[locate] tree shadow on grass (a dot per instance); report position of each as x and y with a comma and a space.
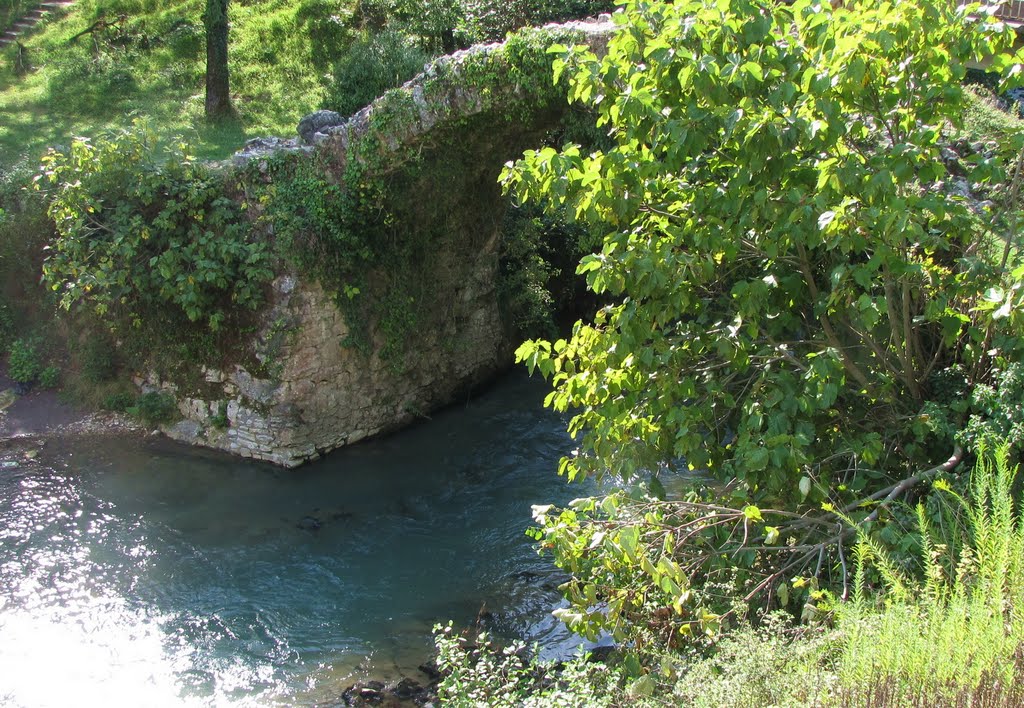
218, 140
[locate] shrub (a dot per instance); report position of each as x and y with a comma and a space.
139, 234
372, 66
774, 664
153, 408
118, 402
23, 364
49, 377
477, 672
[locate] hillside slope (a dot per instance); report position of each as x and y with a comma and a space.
97, 63
147, 58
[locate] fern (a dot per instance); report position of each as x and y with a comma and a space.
957, 631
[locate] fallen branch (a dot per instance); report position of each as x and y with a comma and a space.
900, 488
705, 543
98, 26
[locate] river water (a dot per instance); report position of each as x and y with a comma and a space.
151, 574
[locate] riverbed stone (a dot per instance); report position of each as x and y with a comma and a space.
407, 689
186, 431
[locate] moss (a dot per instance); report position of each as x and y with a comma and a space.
371, 224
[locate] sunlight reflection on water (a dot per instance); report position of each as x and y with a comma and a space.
149, 574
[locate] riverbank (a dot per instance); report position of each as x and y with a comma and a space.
29, 420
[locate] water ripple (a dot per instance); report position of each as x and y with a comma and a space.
162, 575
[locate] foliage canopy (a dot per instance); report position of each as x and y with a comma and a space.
136, 234
786, 263
807, 297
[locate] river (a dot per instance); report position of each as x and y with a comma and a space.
145, 573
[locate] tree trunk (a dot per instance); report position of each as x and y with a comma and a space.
448, 45
218, 95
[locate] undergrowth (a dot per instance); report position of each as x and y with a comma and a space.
959, 632
951, 635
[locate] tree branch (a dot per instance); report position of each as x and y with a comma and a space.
97, 26
900, 488
826, 324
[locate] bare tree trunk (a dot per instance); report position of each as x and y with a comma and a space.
218, 95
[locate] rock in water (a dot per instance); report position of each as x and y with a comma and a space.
7, 397
309, 523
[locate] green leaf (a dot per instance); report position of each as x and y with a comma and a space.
754, 70
805, 486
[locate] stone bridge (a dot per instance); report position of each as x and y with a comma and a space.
434, 147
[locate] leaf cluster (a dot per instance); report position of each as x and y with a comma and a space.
139, 234
786, 263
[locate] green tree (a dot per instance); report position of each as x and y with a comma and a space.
787, 273
786, 265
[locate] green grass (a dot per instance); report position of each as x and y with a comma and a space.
152, 64
986, 122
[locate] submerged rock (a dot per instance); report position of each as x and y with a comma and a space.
406, 692
309, 523
406, 689
430, 670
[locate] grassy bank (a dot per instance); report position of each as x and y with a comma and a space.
98, 63
149, 60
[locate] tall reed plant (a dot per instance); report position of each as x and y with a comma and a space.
956, 637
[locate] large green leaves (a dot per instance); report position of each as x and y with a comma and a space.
137, 232
784, 264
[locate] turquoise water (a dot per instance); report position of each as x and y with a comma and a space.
151, 574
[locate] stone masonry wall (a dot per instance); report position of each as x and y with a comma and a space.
314, 393
325, 395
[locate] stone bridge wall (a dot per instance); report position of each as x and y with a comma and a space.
314, 393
